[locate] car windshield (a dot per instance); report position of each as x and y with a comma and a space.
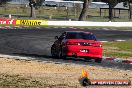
80, 35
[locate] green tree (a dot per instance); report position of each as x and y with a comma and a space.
112, 4
128, 3
83, 14
34, 4
4, 1
130, 8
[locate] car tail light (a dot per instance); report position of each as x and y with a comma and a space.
98, 45
72, 43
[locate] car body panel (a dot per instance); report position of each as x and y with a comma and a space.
91, 51
78, 47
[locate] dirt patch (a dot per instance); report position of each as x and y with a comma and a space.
51, 75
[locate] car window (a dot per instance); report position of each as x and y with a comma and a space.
79, 35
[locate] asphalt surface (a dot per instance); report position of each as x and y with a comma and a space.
37, 42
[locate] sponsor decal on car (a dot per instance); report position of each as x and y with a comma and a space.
31, 22
7, 21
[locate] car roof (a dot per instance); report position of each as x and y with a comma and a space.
79, 32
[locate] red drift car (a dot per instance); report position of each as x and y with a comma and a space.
77, 44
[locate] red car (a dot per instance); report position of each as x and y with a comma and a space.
77, 44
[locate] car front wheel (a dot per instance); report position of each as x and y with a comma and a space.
61, 54
53, 52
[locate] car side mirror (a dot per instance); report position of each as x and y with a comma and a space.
56, 37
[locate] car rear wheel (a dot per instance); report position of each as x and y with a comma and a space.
87, 59
98, 60
61, 54
53, 52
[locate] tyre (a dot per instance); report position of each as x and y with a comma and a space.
98, 60
87, 59
61, 54
53, 52
85, 82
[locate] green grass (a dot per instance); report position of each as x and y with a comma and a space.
118, 49
125, 46
118, 55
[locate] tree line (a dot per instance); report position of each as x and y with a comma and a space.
111, 3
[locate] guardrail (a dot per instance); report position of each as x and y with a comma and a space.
86, 23
73, 23
64, 23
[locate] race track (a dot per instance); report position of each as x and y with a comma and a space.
37, 42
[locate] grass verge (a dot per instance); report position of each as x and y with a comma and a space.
118, 49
